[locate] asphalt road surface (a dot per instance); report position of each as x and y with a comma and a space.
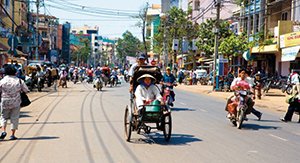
79, 124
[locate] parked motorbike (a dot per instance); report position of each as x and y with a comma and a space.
288, 88
273, 82
239, 110
29, 83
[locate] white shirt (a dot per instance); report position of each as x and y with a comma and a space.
131, 70
142, 93
294, 79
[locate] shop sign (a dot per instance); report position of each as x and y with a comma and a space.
291, 39
289, 54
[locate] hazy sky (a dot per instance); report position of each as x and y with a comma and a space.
110, 27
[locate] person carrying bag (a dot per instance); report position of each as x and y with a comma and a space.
11, 89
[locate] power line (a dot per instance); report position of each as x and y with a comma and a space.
89, 20
85, 9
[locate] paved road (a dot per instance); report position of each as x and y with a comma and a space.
79, 124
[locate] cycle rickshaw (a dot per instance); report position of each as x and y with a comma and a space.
155, 113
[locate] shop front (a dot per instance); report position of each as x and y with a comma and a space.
265, 59
290, 55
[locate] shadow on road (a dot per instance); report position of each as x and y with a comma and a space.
24, 114
39, 138
258, 127
176, 139
182, 109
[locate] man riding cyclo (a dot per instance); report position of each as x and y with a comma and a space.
140, 62
242, 83
169, 81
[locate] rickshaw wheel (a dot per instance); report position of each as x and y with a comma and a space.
167, 126
127, 124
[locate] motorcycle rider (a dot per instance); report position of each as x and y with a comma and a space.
89, 73
243, 82
63, 77
114, 74
169, 81
258, 84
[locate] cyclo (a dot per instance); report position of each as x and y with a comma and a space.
154, 113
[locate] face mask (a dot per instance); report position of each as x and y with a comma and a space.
146, 85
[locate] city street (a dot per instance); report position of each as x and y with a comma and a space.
79, 124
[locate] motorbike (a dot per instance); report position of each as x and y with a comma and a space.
273, 82
288, 88
167, 94
98, 83
126, 78
238, 110
75, 78
90, 79
113, 81
29, 83
40, 83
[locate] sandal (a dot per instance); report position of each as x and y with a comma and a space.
3, 135
13, 137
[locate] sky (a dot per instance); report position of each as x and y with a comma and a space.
109, 27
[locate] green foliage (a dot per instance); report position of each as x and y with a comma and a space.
177, 26
234, 45
83, 52
128, 45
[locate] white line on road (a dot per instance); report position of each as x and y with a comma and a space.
252, 151
182, 103
297, 133
274, 136
203, 110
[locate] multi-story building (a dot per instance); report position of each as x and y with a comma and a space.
152, 24
65, 52
205, 9
47, 28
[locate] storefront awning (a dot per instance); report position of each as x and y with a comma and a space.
265, 49
289, 54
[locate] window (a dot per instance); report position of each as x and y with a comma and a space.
7, 4
284, 16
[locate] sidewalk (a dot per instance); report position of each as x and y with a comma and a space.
274, 99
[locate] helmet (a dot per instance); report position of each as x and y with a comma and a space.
168, 68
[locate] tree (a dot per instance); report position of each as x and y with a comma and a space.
128, 45
206, 35
234, 45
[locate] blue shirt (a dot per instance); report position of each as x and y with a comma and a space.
169, 79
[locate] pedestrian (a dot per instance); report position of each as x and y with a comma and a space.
10, 88
294, 106
180, 76
194, 77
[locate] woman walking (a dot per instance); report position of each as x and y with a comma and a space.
10, 89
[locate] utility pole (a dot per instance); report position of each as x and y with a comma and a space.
13, 29
216, 78
37, 30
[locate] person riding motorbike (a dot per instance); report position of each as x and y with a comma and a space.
243, 82
140, 62
75, 75
89, 73
114, 74
63, 77
146, 92
169, 81
258, 84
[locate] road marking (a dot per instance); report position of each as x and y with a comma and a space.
182, 103
203, 110
252, 151
274, 136
297, 133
